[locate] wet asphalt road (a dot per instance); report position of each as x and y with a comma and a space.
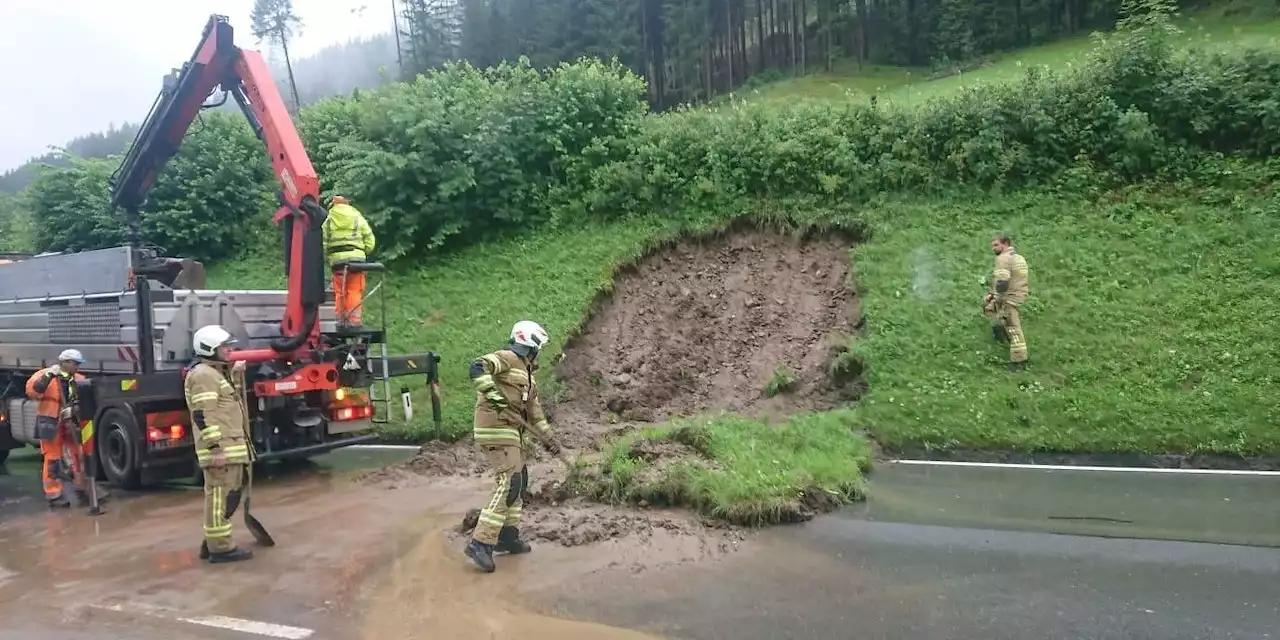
985, 553
936, 553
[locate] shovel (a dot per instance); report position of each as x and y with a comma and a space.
251, 523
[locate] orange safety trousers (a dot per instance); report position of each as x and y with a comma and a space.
52, 452
348, 291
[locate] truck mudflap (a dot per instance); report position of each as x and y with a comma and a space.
316, 449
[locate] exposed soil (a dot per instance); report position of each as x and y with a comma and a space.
704, 326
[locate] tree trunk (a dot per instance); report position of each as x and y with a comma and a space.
707, 54
762, 61
791, 35
293, 86
728, 41
864, 50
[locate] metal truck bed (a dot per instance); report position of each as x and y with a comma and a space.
42, 312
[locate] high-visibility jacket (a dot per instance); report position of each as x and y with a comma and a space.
347, 235
46, 389
216, 411
506, 371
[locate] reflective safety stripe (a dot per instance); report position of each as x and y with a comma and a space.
483, 383
495, 434
517, 375
494, 362
202, 397
211, 432
1002, 274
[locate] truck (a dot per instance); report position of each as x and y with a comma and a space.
313, 384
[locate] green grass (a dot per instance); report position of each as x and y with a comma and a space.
1218, 28
1149, 325
736, 469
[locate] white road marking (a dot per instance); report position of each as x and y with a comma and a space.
254, 627
1070, 467
386, 447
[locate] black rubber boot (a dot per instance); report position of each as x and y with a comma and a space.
235, 555
481, 554
59, 502
1015, 367
509, 542
204, 549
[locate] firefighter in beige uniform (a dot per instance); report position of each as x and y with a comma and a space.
507, 409
222, 449
1003, 302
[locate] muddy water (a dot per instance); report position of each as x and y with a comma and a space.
353, 560
430, 587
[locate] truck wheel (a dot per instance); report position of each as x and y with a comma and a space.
118, 441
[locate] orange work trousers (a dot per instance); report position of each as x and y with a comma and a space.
52, 451
348, 291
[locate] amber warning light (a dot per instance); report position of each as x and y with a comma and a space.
174, 432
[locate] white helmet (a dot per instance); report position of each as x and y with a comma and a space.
529, 334
71, 354
208, 338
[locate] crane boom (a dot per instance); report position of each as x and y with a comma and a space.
242, 74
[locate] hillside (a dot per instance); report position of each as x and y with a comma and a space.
1214, 29
739, 295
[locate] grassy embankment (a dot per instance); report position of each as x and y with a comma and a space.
1147, 331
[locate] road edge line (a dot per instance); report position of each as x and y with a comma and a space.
1071, 467
226, 623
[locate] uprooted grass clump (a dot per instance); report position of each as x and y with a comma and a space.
740, 470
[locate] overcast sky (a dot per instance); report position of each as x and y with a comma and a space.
76, 66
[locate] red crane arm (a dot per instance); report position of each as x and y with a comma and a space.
244, 76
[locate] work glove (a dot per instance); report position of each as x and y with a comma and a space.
496, 399
553, 447
238, 367
66, 413
54, 371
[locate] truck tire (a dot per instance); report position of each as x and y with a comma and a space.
118, 441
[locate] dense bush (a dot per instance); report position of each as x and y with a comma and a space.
198, 208
461, 154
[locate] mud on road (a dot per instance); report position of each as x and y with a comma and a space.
702, 325
377, 554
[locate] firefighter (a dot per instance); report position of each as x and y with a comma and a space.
1003, 302
222, 449
53, 389
347, 238
507, 410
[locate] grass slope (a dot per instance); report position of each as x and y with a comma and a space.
911, 87
1148, 328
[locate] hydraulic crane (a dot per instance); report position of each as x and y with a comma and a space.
243, 75
311, 390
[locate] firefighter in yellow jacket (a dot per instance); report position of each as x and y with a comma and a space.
347, 238
222, 448
1003, 302
507, 411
